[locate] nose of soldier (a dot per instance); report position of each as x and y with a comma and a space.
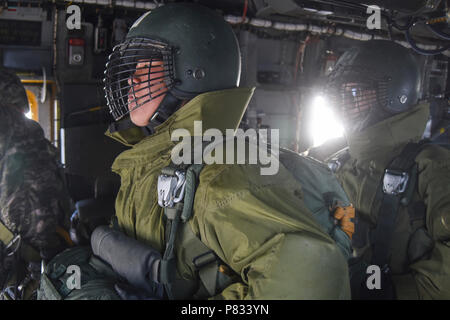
134, 83
145, 83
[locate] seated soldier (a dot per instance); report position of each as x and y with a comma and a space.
398, 183
34, 207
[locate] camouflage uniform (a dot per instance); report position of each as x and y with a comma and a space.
33, 201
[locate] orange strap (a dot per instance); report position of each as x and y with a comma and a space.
345, 216
64, 235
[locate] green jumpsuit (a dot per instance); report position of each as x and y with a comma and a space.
257, 224
420, 261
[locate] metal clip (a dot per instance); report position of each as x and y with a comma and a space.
171, 188
395, 182
334, 165
8, 294
14, 244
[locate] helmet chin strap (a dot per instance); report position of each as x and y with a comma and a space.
168, 106
171, 102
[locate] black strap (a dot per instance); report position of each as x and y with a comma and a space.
382, 235
166, 108
384, 230
121, 125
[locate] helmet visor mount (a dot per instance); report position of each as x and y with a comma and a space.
138, 71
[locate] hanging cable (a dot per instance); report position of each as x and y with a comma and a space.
414, 46
438, 32
423, 51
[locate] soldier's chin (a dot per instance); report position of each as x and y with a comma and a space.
141, 115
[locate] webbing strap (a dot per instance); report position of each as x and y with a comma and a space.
192, 175
168, 263
384, 230
181, 211
382, 235
199, 258
26, 251
209, 275
5, 235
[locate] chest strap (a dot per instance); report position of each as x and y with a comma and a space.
396, 188
176, 192
177, 205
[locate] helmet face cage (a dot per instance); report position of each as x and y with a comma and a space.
356, 91
138, 71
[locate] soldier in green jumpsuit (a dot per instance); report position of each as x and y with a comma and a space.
187, 69
376, 86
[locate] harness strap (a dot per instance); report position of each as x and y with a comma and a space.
13, 243
397, 187
199, 259
5, 235
175, 213
168, 262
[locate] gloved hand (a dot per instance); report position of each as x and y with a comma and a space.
127, 292
89, 214
79, 231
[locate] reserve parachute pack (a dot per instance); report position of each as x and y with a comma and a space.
201, 274
322, 194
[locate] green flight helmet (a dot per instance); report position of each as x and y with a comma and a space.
199, 53
374, 81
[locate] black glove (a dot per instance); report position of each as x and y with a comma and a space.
79, 231
89, 214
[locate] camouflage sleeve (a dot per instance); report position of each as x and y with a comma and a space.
5, 132
32, 197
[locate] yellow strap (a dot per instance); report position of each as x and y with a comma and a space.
26, 251
5, 235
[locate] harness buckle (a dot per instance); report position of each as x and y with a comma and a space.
334, 165
171, 188
395, 182
13, 246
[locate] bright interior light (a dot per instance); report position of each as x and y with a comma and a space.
29, 115
324, 123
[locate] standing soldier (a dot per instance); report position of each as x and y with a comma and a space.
34, 212
398, 183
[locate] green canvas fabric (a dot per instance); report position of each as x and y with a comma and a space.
370, 153
258, 225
